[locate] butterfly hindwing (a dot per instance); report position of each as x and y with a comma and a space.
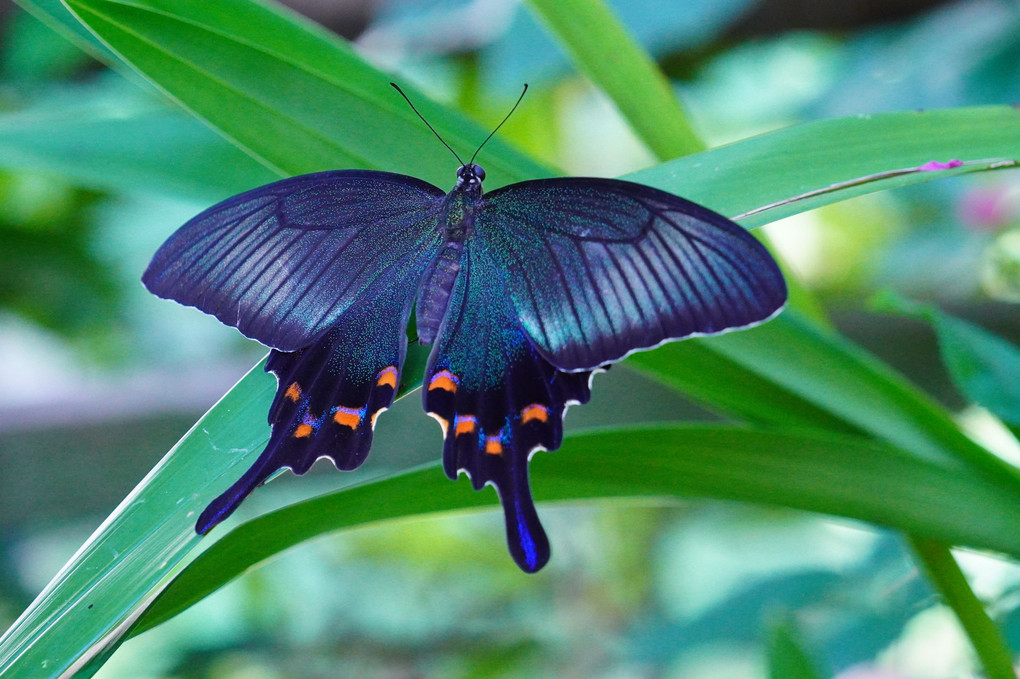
282, 262
330, 393
497, 398
604, 267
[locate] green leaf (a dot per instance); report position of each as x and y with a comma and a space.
109, 136
34, 54
286, 91
699, 371
989, 642
55, 15
830, 372
787, 658
781, 173
843, 476
629, 76
985, 367
140, 542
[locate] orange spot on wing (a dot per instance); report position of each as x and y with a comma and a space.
293, 392
536, 411
466, 424
444, 379
303, 431
387, 378
347, 417
493, 445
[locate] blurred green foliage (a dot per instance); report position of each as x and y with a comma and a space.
49, 274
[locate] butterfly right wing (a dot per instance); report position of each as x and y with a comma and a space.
604, 267
282, 262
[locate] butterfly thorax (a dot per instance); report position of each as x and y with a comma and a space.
457, 221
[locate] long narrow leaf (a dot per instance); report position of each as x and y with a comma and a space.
988, 639
983, 366
844, 156
830, 372
625, 72
286, 91
839, 476
56, 16
139, 543
104, 138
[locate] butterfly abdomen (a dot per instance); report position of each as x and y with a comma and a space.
457, 221
436, 287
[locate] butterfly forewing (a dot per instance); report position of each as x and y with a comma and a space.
282, 262
603, 267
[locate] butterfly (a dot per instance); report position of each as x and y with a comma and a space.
523, 292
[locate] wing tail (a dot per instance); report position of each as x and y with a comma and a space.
491, 435
498, 401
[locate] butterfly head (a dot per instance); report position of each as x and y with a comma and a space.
470, 176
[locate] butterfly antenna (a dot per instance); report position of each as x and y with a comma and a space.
397, 88
501, 124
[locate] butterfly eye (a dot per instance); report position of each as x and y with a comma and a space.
472, 170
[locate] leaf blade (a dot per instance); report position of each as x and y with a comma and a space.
630, 78
285, 91
842, 476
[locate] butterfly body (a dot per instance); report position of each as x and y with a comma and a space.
457, 217
523, 293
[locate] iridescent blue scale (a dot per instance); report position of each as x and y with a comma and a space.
523, 292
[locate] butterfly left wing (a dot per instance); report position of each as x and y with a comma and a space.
324, 269
605, 267
497, 399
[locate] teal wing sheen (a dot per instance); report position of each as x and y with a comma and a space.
601, 268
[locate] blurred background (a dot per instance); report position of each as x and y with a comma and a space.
99, 378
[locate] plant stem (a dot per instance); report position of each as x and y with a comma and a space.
986, 638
